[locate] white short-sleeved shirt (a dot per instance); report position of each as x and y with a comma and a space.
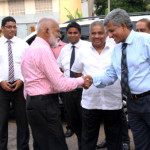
18, 48
89, 62
65, 55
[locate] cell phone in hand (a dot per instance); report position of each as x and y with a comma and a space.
12, 86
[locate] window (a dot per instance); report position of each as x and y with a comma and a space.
43, 6
16, 7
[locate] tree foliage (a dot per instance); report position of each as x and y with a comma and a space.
128, 5
77, 14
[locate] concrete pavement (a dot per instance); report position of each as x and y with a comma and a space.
71, 141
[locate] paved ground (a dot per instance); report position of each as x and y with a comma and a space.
72, 141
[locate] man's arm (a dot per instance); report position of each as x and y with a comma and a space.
58, 80
104, 79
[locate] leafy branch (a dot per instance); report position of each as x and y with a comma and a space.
77, 14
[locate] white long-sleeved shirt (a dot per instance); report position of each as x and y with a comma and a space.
18, 48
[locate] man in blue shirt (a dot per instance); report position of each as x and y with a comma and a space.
119, 27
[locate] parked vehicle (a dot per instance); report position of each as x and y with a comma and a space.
84, 23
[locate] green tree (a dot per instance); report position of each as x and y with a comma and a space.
128, 5
100, 6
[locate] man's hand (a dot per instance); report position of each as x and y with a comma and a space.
6, 86
17, 85
87, 81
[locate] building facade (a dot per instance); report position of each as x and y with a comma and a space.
28, 12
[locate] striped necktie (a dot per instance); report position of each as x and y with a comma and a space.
11, 63
72, 61
124, 73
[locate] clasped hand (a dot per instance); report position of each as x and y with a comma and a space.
87, 81
11, 87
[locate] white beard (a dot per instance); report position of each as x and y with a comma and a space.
53, 41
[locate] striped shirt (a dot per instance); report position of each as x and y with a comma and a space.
41, 71
57, 49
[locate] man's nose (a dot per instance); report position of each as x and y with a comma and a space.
110, 35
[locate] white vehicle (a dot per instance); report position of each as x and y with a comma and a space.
84, 27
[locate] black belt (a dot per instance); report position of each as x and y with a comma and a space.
136, 96
42, 96
77, 90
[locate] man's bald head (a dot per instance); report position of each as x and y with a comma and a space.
45, 23
48, 29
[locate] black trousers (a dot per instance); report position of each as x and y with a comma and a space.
18, 103
91, 126
139, 121
124, 127
73, 106
66, 113
44, 118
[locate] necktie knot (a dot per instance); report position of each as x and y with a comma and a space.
9, 41
73, 47
124, 45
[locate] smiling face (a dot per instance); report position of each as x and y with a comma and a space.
73, 35
119, 34
9, 29
97, 36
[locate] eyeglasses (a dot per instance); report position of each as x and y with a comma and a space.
10, 27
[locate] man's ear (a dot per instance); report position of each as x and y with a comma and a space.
124, 25
2, 28
47, 31
89, 36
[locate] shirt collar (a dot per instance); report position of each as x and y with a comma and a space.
77, 45
130, 37
107, 46
61, 43
5, 39
42, 41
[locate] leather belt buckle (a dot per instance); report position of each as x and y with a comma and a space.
134, 96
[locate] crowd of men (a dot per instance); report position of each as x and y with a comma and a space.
92, 77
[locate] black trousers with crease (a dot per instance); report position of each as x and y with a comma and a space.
91, 120
44, 118
19, 107
74, 109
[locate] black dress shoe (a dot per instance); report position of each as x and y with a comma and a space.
125, 146
102, 145
69, 133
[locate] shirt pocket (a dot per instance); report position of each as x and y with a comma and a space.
17, 58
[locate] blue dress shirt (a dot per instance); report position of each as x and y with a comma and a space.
138, 62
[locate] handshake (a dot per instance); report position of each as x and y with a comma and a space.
87, 81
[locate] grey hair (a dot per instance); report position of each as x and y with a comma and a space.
100, 23
44, 22
117, 17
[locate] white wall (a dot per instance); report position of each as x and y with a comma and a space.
85, 9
